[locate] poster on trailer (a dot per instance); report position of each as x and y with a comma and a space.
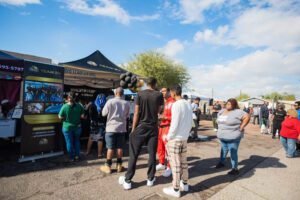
42, 100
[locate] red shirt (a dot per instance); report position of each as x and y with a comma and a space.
290, 128
167, 112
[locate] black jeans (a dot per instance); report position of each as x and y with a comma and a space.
276, 126
195, 129
143, 134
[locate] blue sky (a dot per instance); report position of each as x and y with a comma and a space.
228, 45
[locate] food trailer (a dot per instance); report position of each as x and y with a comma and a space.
34, 91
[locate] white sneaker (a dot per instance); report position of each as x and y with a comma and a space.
184, 187
160, 167
151, 183
171, 192
216, 130
167, 172
126, 186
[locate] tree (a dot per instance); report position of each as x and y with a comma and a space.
155, 64
278, 96
242, 96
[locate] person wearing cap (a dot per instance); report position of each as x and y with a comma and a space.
117, 112
71, 114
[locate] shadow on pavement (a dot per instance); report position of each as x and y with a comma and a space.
244, 166
9, 166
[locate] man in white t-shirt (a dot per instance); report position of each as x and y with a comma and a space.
177, 137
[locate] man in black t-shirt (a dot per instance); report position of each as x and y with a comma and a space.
279, 116
144, 131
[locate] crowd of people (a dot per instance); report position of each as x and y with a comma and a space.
164, 121
280, 123
43, 93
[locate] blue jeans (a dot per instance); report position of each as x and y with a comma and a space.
289, 146
114, 140
232, 146
72, 138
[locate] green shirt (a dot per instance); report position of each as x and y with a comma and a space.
71, 114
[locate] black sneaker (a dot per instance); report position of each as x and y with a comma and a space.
234, 172
220, 165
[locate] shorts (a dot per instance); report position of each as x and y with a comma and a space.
97, 135
115, 140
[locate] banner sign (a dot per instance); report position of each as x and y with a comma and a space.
42, 100
11, 66
79, 72
85, 92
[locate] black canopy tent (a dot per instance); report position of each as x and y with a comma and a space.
89, 76
94, 71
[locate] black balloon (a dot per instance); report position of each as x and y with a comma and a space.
127, 79
134, 82
122, 76
123, 84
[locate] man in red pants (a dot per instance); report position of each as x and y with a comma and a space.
163, 131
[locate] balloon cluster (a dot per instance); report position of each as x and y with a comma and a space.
128, 80
131, 81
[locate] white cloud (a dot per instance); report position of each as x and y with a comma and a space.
276, 29
145, 17
209, 35
19, 2
172, 48
157, 36
107, 8
192, 10
277, 4
272, 27
25, 13
260, 72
